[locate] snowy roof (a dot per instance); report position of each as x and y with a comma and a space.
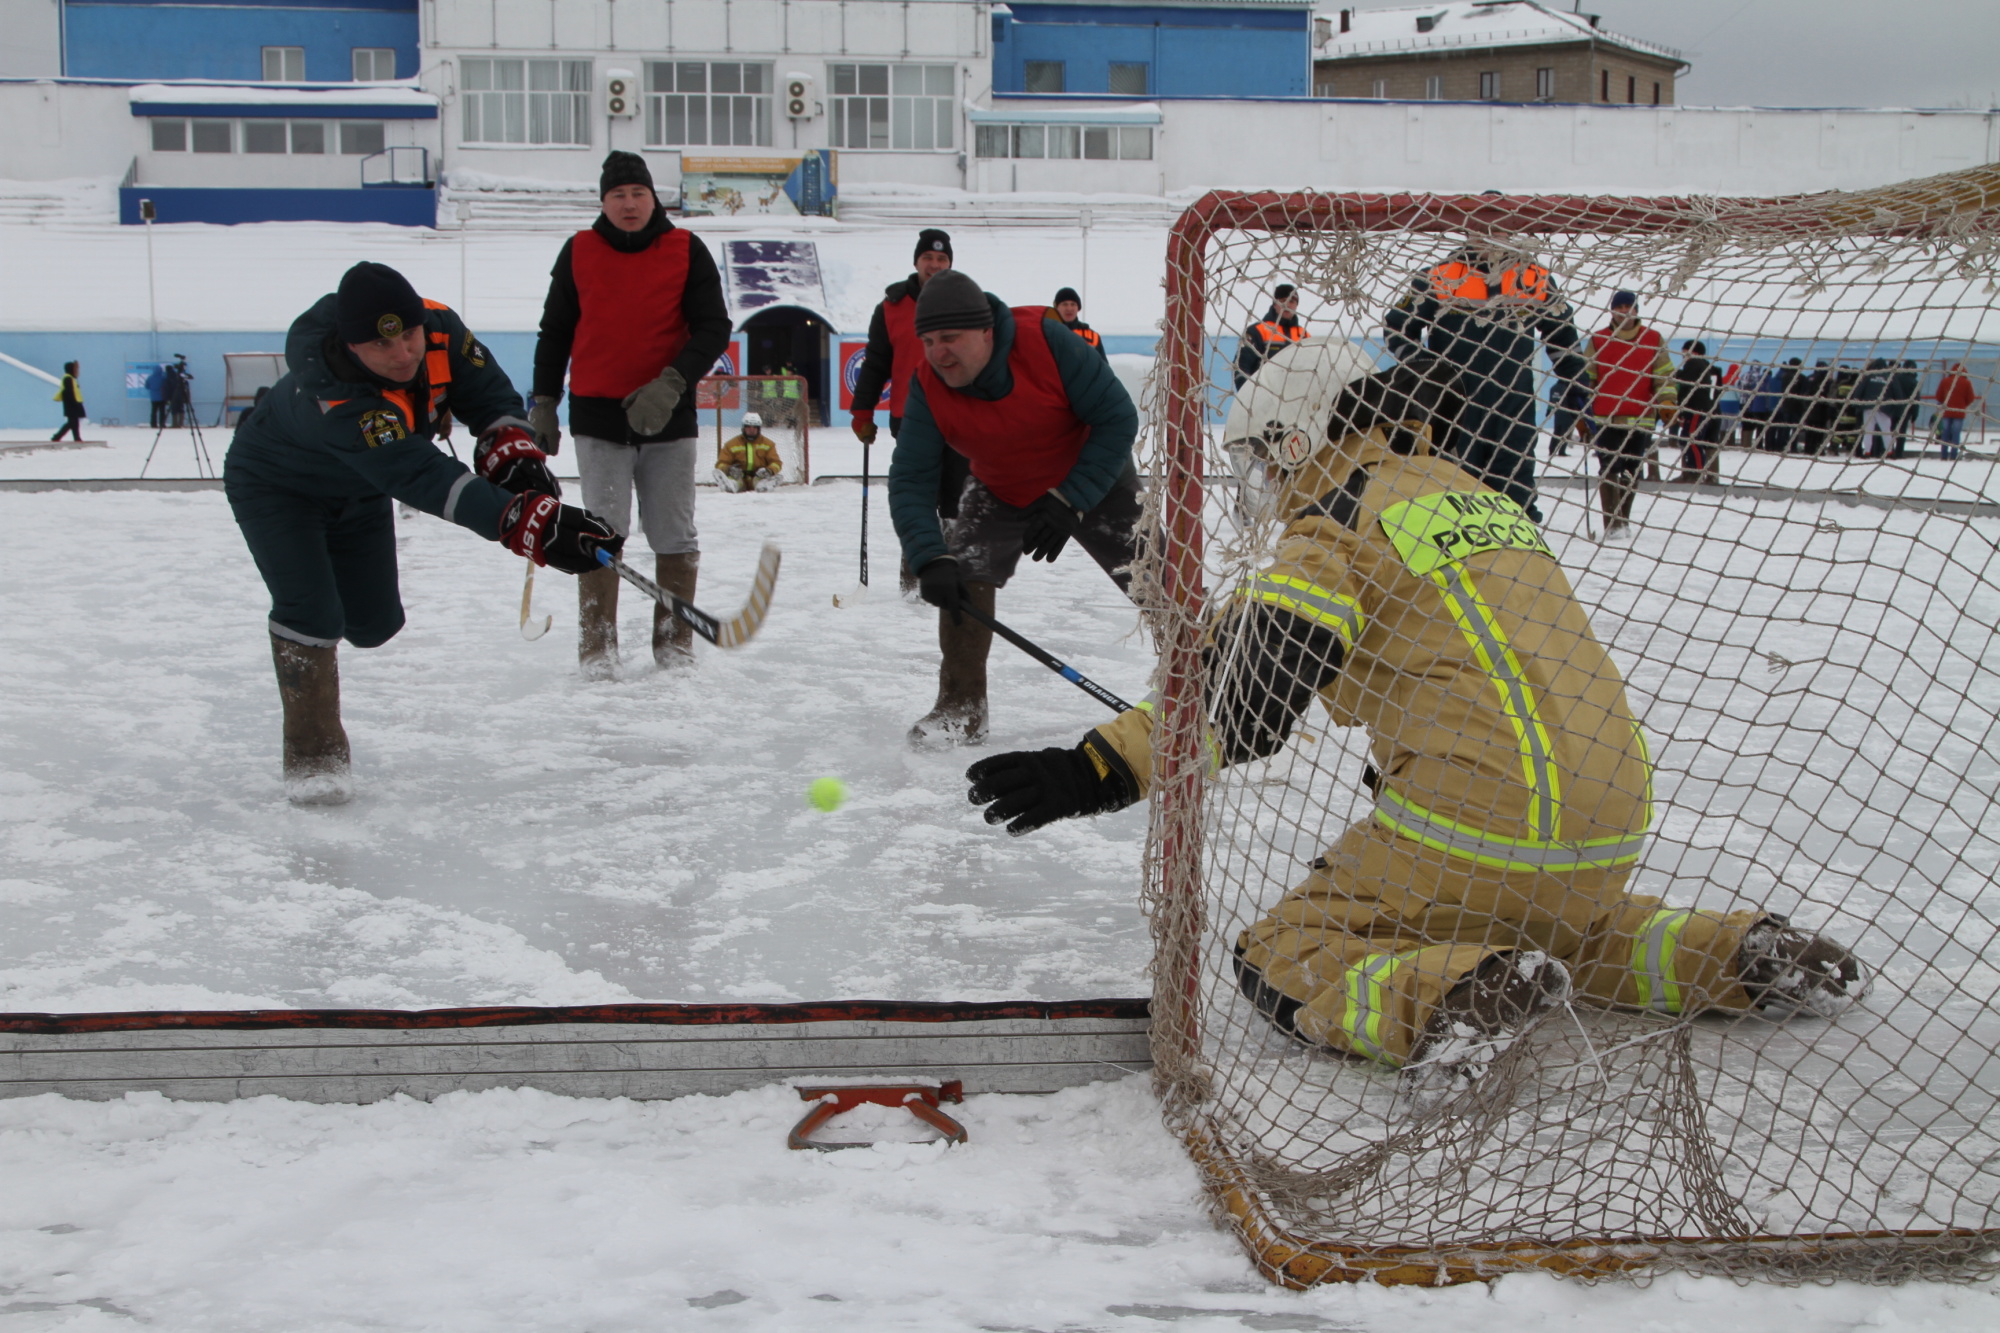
376, 101
1418, 29
1040, 112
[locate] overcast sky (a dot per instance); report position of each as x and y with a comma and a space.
1931, 53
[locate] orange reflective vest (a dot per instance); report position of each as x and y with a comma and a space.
1522, 282
1271, 331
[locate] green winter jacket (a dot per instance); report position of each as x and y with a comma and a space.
329, 428
1095, 395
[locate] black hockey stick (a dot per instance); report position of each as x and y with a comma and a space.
730, 633
1049, 660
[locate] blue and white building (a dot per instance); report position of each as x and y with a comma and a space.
1155, 48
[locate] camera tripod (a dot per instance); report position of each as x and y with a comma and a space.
203, 465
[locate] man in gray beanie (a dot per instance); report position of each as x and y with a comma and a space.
635, 315
1046, 430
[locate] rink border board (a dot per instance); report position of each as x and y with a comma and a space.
645, 1052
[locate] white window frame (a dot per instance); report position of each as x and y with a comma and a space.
372, 57
161, 122
1096, 143
1379, 90
198, 123
358, 130
1434, 88
291, 63
1545, 83
524, 102
1489, 85
680, 115
898, 106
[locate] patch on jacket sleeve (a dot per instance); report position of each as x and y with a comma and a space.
472, 350
381, 427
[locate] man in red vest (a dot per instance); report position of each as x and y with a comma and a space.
635, 314
1635, 387
894, 351
1280, 327
1046, 429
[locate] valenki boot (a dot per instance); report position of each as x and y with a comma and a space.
673, 639
597, 623
959, 715
317, 771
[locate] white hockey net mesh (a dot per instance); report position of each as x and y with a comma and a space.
1806, 637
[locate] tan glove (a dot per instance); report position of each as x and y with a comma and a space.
542, 421
649, 407
864, 428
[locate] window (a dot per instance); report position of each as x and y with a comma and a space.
1545, 85
1129, 80
1631, 87
1380, 90
1489, 84
308, 136
361, 137
1434, 88
1604, 85
1097, 143
1656, 92
893, 106
264, 136
170, 136
284, 64
374, 64
214, 136
520, 101
1042, 76
720, 103
1322, 90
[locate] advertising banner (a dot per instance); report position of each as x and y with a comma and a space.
751, 186
728, 397
851, 352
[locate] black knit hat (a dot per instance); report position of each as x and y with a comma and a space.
952, 301
1282, 290
932, 239
1067, 294
623, 168
375, 301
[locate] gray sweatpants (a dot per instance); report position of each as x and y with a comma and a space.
663, 475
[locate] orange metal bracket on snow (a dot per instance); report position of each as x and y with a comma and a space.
920, 1099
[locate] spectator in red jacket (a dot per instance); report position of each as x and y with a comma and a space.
1954, 397
1634, 378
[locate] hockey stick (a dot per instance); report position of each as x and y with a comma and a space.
850, 598
1049, 660
527, 598
739, 629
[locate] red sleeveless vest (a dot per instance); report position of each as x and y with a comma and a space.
1026, 443
632, 325
900, 319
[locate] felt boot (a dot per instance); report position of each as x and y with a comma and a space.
673, 638
316, 757
597, 623
959, 715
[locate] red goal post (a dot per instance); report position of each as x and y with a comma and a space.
1961, 209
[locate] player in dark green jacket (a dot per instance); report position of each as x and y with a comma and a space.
375, 375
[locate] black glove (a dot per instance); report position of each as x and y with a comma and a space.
506, 456
1052, 521
1037, 787
551, 533
942, 585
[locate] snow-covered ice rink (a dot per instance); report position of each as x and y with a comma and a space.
523, 836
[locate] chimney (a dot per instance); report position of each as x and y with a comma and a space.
1346, 20
1425, 22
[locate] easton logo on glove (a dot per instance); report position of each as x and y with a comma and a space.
525, 526
508, 457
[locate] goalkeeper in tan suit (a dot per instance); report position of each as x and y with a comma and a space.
1511, 780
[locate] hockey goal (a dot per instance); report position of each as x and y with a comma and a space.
1807, 638
783, 401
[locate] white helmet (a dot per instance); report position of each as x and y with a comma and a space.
1278, 419
752, 419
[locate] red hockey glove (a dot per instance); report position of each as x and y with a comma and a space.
551, 533
508, 457
864, 427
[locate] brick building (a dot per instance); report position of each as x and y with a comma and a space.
1486, 50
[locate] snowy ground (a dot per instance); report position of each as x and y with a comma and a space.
526, 837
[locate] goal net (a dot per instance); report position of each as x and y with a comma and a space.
782, 402
1395, 739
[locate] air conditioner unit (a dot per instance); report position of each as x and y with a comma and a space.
621, 92
799, 103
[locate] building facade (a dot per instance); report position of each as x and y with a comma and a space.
1155, 48
278, 41
1487, 51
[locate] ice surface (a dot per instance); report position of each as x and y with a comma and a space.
523, 836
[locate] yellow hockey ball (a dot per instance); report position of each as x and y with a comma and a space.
827, 793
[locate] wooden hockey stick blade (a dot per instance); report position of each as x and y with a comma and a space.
528, 632
739, 629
